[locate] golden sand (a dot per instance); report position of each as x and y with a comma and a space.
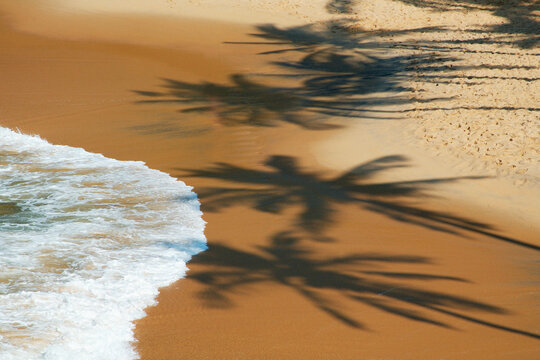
325, 241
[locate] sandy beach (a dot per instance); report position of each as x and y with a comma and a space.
367, 170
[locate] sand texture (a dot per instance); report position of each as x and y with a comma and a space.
368, 169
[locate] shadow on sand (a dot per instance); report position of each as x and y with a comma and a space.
283, 184
342, 71
367, 278
521, 18
335, 76
293, 258
336, 70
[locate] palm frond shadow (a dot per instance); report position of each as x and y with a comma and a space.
358, 277
521, 17
336, 78
283, 184
337, 75
243, 102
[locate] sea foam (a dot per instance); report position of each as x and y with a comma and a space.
85, 243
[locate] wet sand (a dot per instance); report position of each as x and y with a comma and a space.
310, 256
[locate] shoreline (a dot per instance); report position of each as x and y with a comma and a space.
235, 300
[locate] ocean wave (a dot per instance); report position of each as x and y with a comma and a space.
85, 243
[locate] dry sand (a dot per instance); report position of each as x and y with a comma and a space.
308, 259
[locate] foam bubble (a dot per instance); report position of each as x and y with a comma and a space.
85, 243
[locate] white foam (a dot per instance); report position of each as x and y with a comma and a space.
85, 243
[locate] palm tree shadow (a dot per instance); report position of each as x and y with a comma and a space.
520, 15
358, 277
244, 102
334, 77
337, 74
283, 184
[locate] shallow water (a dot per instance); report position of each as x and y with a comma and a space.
86, 241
